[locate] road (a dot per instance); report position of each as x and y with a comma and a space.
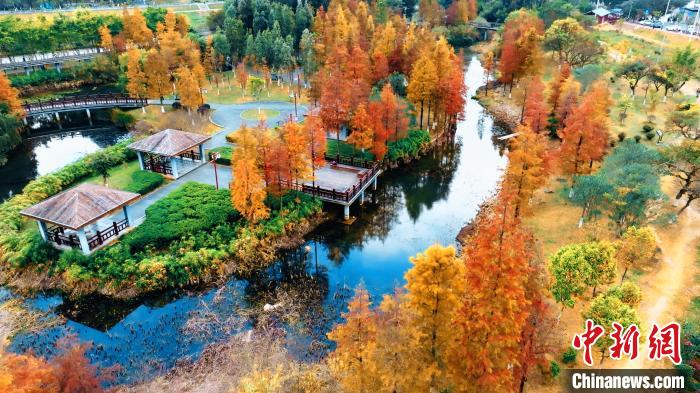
203, 6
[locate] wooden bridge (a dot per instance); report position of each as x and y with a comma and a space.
31, 62
79, 102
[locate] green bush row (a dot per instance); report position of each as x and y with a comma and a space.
15, 245
41, 77
143, 182
409, 146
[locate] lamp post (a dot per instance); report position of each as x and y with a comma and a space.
215, 156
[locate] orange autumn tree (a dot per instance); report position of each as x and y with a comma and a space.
317, 140
136, 78
188, 89
157, 76
522, 34
351, 361
422, 82
526, 170
568, 99
362, 136
535, 112
247, 188
135, 28
242, 76
106, 41
297, 143
494, 310
586, 133
10, 96
555, 88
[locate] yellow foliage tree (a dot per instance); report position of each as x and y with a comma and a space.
526, 169
435, 287
136, 78
135, 28
106, 42
422, 82
362, 135
297, 143
188, 88
157, 76
247, 188
636, 247
351, 362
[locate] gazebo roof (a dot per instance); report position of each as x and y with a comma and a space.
79, 206
600, 11
169, 142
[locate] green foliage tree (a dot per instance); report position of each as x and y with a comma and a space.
684, 120
572, 43
633, 71
683, 162
606, 309
569, 271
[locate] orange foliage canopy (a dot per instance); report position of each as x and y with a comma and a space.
10, 96
522, 34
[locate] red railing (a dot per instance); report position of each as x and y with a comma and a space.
83, 101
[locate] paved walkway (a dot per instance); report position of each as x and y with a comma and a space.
229, 118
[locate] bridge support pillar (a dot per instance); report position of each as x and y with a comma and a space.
24, 120
27, 70
58, 120
362, 197
346, 212
374, 184
89, 116
141, 163
58, 67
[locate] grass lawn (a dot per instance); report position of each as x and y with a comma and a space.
160, 120
254, 114
346, 150
229, 92
119, 176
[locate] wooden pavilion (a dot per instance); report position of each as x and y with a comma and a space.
70, 219
171, 152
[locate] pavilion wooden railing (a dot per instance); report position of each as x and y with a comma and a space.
83, 101
56, 235
107, 233
159, 166
333, 194
191, 155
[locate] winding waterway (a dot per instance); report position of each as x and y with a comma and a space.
417, 205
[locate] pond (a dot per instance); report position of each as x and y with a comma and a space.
46, 148
426, 202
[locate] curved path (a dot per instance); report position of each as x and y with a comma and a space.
228, 117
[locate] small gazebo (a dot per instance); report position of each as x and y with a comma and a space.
70, 219
171, 152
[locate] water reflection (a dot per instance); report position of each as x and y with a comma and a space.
46, 149
304, 292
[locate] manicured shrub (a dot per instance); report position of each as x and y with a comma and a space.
621, 136
647, 128
189, 209
143, 182
637, 138
650, 136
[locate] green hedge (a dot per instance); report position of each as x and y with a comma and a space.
191, 208
41, 77
16, 245
143, 182
409, 146
346, 150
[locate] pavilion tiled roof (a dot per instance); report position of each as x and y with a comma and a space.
169, 142
79, 206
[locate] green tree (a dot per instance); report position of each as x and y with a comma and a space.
569, 271
606, 309
572, 43
683, 162
633, 71
682, 67
256, 86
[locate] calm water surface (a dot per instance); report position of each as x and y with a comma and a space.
46, 149
426, 202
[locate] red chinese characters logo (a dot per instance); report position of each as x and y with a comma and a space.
626, 341
587, 339
665, 342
